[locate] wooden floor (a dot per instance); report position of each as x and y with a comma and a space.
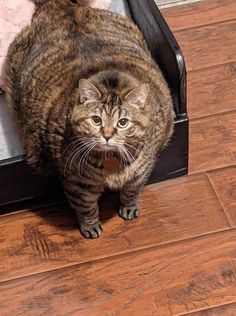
179, 257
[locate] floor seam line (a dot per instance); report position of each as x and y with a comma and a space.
206, 309
213, 114
205, 25
221, 204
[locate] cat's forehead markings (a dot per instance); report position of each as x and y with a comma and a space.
97, 110
123, 112
107, 109
114, 111
110, 112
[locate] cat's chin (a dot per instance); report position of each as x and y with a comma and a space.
105, 148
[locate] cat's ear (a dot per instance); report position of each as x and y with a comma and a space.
138, 95
88, 91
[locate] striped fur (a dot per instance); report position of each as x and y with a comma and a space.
64, 44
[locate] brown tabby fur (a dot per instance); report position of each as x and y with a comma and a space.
46, 62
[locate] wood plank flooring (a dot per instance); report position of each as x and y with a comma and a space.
179, 256
213, 142
200, 13
39, 243
216, 86
170, 280
224, 183
208, 45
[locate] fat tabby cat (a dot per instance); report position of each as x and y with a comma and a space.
85, 89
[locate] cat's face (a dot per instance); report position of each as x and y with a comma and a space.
109, 122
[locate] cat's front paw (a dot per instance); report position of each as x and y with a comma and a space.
129, 212
91, 231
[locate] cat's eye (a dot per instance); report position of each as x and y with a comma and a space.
123, 123
96, 120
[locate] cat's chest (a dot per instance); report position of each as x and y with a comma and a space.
107, 163
111, 172
111, 164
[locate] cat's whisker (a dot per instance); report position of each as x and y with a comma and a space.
76, 142
80, 164
84, 143
84, 157
120, 149
121, 155
79, 151
130, 157
84, 152
70, 145
87, 156
124, 156
125, 144
132, 147
72, 155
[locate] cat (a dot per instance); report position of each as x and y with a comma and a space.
87, 93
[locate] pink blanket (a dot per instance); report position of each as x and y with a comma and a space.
14, 16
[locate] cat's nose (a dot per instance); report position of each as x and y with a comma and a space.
108, 133
107, 137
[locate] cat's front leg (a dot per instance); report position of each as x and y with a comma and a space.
129, 202
83, 199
